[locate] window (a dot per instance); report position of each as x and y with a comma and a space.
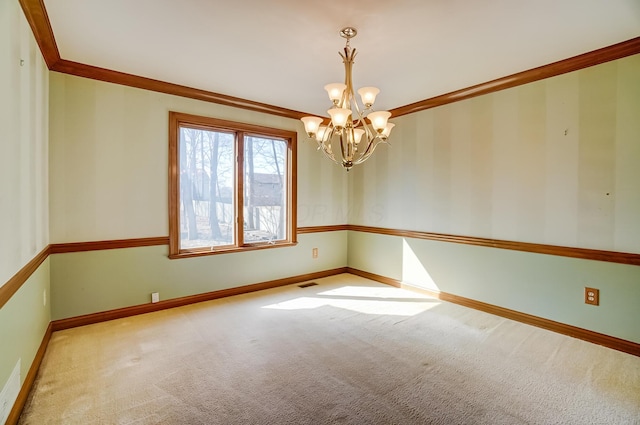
232, 186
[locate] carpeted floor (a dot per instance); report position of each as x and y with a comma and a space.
348, 350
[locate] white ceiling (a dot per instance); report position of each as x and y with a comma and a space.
282, 52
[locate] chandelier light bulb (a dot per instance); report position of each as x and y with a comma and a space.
322, 131
339, 116
368, 95
379, 120
387, 130
335, 90
357, 135
311, 125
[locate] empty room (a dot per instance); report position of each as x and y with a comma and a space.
411, 212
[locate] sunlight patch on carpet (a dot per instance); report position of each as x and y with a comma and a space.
373, 292
367, 300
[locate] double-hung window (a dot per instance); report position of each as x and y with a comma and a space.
232, 186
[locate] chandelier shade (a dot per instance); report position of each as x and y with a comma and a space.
349, 139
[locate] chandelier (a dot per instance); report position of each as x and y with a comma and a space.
348, 139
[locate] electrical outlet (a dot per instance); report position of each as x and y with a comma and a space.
314, 252
592, 296
155, 297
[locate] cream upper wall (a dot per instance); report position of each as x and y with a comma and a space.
552, 162
109, 161
24, 89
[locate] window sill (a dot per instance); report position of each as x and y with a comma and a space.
189, 253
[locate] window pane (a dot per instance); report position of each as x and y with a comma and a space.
206, 188
265, 189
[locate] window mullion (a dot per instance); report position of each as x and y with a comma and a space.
240, 188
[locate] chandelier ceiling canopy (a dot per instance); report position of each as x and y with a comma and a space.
348, 139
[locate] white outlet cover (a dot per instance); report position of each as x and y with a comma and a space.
155, 297
9, 393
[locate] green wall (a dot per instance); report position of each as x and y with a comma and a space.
547, 286
23, 322
94, 281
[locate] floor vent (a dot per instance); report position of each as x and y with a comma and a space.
306, 285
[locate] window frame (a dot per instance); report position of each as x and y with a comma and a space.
178, 120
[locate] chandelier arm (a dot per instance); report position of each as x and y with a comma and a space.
325, 144
359, 113
358, 159
331, 156
370, 131
346, 60
351, 147
347, 144
328, 134
343, 147
371, 146
366, 156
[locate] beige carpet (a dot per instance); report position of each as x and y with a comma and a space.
347, 351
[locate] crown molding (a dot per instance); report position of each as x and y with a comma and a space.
596, 57
107, 75
38, 19
36, 15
